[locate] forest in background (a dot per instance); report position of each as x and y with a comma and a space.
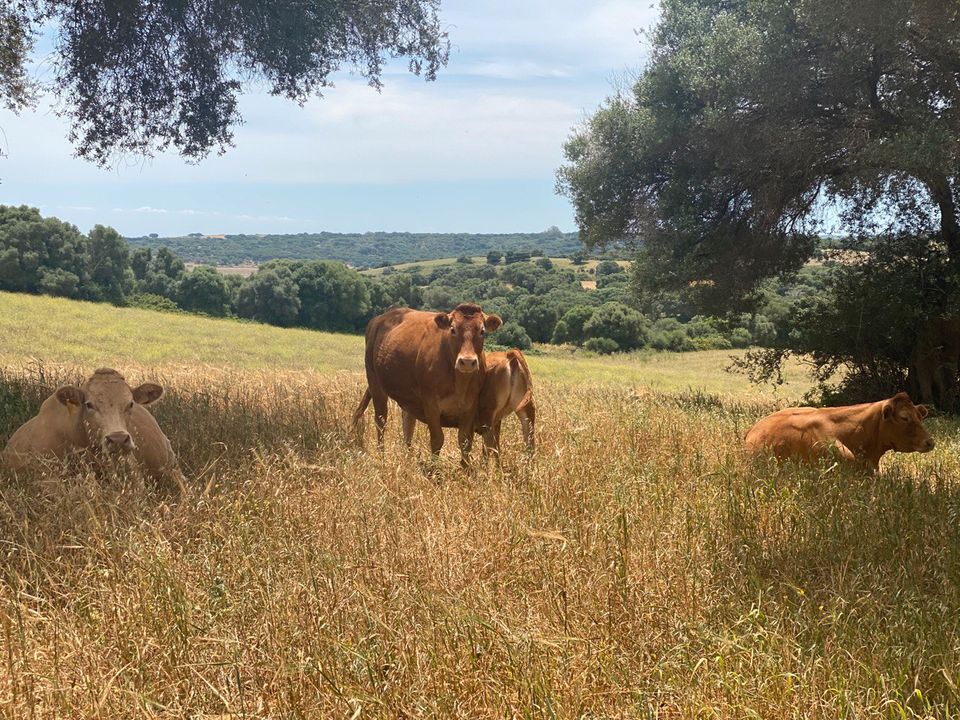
359, 250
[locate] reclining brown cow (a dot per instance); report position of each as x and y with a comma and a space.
507, 388
860, 433
103, 415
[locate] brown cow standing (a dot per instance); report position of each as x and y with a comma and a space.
104, 415
507, 388
861, 433
431, 364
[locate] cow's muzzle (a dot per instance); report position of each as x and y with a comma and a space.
466, 364
927, 445
119, 441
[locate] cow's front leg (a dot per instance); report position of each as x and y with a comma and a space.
465, 437
432, 418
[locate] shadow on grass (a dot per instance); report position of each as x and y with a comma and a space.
848, 565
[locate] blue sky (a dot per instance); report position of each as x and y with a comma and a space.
474, 151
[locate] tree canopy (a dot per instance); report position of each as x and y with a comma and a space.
135, 76
756, 125
751, 116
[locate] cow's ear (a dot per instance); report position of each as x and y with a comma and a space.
923, 410
492, 322
70, 395
147, 393
442, 320
888, 411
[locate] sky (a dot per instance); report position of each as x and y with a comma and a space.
474, 151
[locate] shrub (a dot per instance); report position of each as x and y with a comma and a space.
608, 267
601, 345
618, 322
149, 301
741, 338
512, 334
569, 329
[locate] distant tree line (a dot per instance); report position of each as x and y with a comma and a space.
591, 307
360, 250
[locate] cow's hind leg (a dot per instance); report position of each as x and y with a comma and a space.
409, 426
379, 413
528, 419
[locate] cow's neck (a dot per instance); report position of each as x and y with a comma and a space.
862, 431
463, 382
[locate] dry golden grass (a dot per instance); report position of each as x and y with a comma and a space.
638, 566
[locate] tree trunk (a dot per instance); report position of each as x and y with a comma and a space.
942, 194
934, 373
935, 362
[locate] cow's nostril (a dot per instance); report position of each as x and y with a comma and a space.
118, 438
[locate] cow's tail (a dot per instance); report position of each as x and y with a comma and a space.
519, 363
361, 408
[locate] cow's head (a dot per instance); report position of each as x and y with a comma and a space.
465, 328
106, 401
902, 428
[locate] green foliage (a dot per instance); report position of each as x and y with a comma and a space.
601, 345
42, 255
270, 296
570, 328
494, 257
537, 316
109, 262
141, 77
146, 301
608, 267
397, 289
515, 256
512, 334
624, 325
358, 249
204, 290
748, 120
332, 296
862, 331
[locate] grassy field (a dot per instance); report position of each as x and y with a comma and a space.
638, 566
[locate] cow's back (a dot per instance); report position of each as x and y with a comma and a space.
152, 447
789, 432
54, 431
405, 360
507, 386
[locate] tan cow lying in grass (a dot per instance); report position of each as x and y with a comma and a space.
507, 387
861, 433
104, 415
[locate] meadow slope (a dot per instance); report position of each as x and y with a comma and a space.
638, 566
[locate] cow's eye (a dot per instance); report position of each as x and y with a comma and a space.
130, 406
89, 405
482, 332
453, 331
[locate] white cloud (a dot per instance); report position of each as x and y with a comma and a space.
521, 75
507, 70
189, 212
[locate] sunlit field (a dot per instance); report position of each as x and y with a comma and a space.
637, 566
